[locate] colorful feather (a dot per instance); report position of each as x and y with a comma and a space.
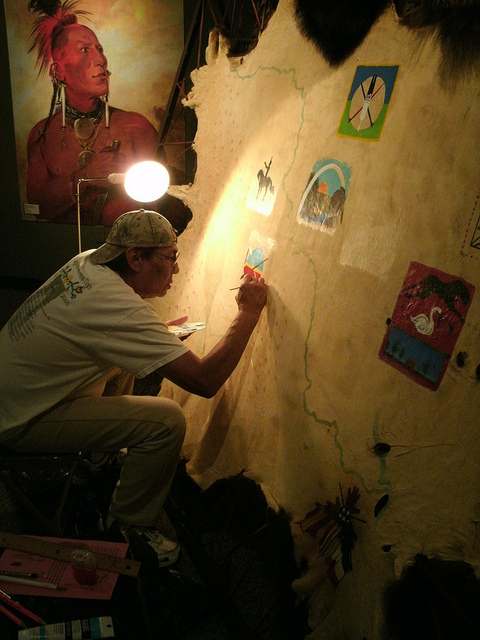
53, 16
331, 526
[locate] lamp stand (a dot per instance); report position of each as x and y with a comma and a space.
79, 182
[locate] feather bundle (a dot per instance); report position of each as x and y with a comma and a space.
53, 16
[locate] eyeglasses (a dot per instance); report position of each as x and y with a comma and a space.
173, 259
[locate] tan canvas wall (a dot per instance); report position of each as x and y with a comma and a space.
311, 397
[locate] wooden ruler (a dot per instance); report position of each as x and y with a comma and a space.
62, 551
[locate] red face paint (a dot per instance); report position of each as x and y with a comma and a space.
82, 65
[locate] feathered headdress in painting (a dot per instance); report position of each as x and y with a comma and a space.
53, 16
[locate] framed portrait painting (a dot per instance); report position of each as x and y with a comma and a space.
90, 85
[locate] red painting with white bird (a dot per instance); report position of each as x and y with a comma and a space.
429, 314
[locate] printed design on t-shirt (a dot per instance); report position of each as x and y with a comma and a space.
64, 285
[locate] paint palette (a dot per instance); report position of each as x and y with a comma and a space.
186, 329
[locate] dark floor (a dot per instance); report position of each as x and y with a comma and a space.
234, 576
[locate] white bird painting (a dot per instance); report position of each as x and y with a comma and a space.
424, 324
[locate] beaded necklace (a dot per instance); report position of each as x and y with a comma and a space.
85, 128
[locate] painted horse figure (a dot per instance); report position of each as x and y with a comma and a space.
446, 291
265, 183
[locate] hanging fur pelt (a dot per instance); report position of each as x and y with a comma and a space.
455, 25
337, 27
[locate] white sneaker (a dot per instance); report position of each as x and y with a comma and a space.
167, 550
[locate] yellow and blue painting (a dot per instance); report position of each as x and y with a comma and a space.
254, 262
260, 249
368, 101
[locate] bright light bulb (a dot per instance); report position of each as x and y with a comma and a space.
147, 181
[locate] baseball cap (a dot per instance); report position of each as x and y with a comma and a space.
135, 229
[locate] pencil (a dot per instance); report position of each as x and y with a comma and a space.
4, 597
12, 617
31, 583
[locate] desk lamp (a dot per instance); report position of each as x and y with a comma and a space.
146, 181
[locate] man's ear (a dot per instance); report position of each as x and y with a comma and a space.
55, 71
133, 258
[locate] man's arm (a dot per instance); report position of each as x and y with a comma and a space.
204, 376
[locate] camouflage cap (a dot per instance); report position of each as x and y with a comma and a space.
135, 229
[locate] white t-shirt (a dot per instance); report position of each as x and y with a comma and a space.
82, 324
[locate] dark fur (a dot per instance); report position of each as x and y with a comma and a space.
337, 27
432, 600
455, 26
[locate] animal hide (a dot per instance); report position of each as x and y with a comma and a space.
337, 27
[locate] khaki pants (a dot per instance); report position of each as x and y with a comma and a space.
152, 429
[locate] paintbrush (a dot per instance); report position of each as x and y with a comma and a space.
256, 266
253, 268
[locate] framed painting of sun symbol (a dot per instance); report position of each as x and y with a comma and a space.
367, 102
